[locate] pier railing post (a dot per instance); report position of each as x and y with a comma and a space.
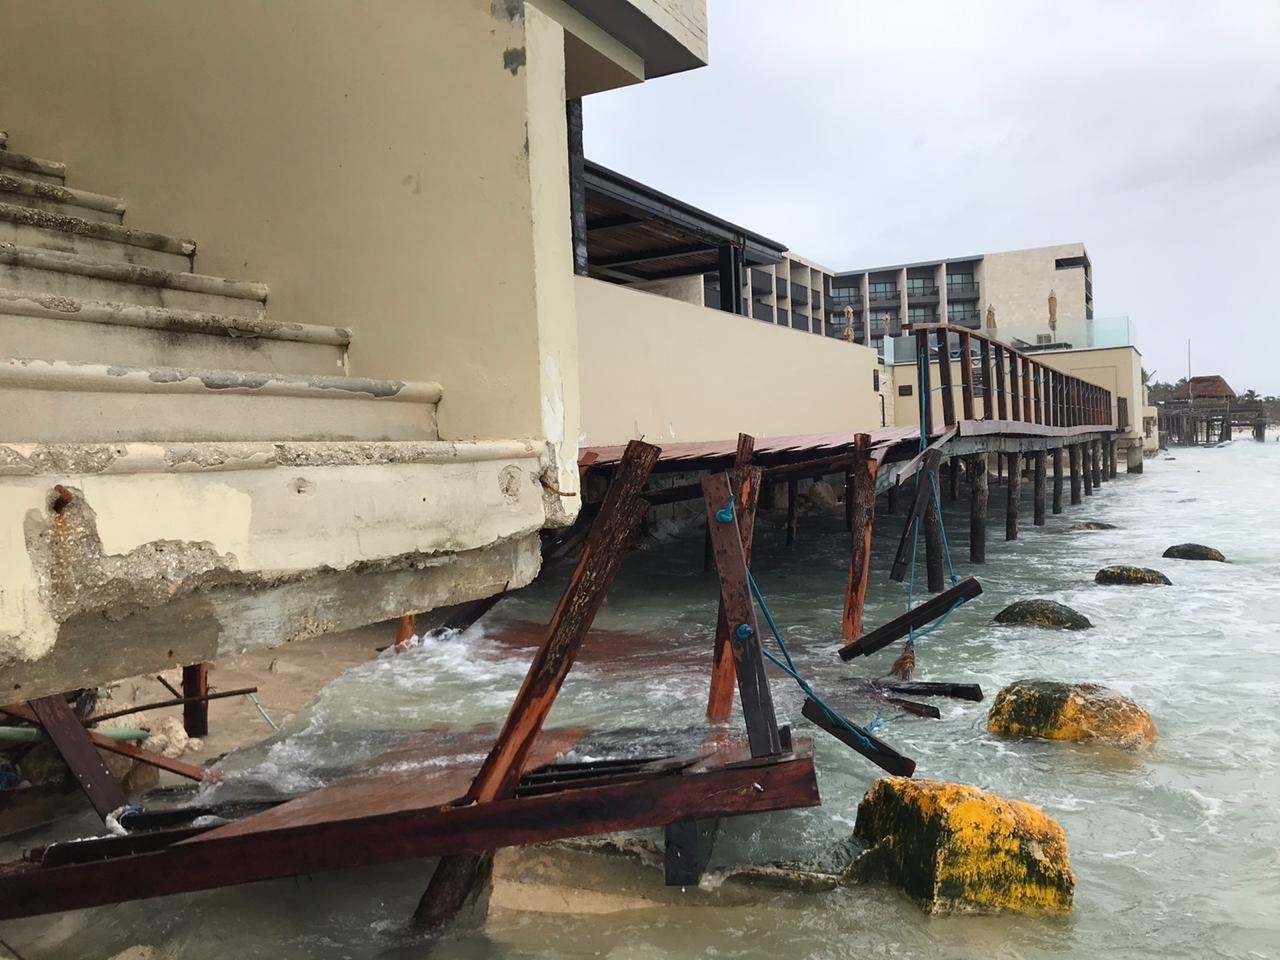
978, 493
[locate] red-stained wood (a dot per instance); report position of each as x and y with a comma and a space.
179, 767
863, 495
406, 626
206, 862
740, 616
746, 492
195, 690
457, 878
73, 742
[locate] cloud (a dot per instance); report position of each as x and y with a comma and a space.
863, 134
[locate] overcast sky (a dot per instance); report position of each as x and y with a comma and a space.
865, 133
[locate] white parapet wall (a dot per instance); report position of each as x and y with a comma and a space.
670, 371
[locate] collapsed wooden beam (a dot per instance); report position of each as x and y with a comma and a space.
874, 749
75, 745
918, 616
923, 497
456, 878
924, 688
205, 862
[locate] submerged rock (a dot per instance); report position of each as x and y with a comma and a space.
1093, 525
821, 498
958, 849
1193, 551
1122, 574
1043, 613
1069, 711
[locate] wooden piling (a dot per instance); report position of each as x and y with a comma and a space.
864, 511
978, 508
953, 480
933, 543
1038, 460
1057, 480
1086, 467
1077, 456
746, 485
406, 626
848, 500
1095, 462
1112, 449
195, 688
891, 500
793, 495
1013, 502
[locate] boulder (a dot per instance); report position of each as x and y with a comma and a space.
1043, 613
1193, 551
821, 498
1069, 711
1093, 525
1126, 575
958, 849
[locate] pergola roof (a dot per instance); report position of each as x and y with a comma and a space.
635, 232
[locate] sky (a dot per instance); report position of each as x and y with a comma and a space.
863, 134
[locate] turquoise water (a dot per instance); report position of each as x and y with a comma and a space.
1175, 848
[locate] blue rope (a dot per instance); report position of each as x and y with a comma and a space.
790, 669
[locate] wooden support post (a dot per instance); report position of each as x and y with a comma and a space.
72, 741
923, 497
406, 626
688, 850
1057, 480
953, 480
1002, 395
1015, 387
1027, 413
966, 376
793, 497
1095, 461
933, 559
848, 500
988, 385
1112, 471
457, 879
891, 500
195, 687
926, 381
1075, 454
708, 560
978, 508
864, 512
1015, 496
746, 485
1086, 467
1039, 484
739, 609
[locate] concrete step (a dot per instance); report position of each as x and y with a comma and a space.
58, 401
56, 198
69, 275
50, 171
106, 241
35, 324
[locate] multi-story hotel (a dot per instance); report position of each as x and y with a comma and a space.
1018, 286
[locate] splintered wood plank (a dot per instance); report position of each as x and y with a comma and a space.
746, 492
862, 493
457, 878
740, 614
924, 496
874, 749
74, 743
206, 863
917, 616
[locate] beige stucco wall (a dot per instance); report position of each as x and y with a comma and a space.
1017, 284
398, 168
1118, 369
668, 370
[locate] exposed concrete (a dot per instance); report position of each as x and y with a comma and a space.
97, 230
42, 195
33, 168
62, 274
65, 402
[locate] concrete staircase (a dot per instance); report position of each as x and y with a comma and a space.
107, 335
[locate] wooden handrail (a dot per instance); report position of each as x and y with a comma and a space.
1022, 387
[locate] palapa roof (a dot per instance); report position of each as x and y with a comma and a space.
1207, 388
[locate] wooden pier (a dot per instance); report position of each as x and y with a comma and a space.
1209, 421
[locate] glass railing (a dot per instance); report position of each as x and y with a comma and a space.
1111, 332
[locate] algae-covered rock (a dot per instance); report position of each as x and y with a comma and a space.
1043, 613
1093, 525
958, 849
1126, 575
1069, 711
1194, 551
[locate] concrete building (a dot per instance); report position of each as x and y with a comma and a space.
1016, 284
380, 420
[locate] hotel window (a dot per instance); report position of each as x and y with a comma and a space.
959, 280
884, 290
920, 286
919, 315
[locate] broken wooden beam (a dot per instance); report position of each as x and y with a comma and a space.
918, 616
745, 484
902, 560
924, 688
874, 749
76, 747
863, 497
